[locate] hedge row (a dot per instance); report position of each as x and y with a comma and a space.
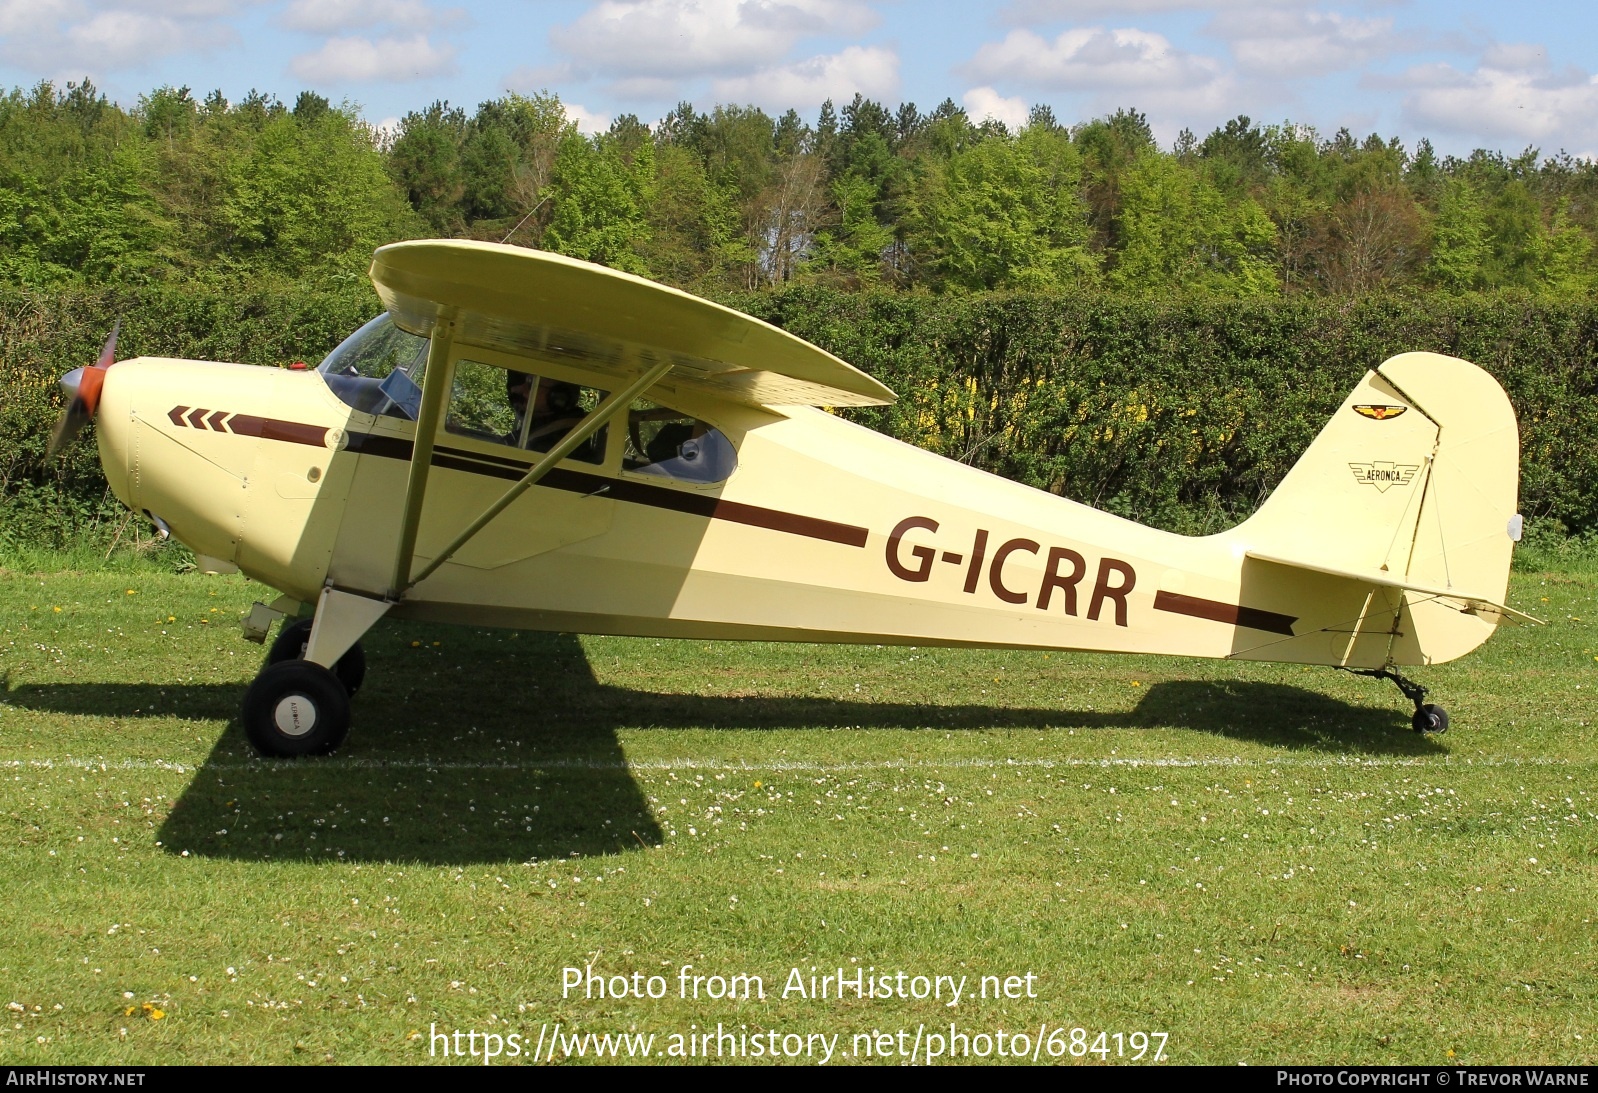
1183, 414
1186, 414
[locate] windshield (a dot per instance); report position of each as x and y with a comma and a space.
378, 369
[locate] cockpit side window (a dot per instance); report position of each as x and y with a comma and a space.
667, 443
521, 410
378, 369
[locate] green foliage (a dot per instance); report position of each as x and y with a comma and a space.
1459, 240
695, 236
179, 190
600, 199
425, 162
1005, 214
1564, 257
855, 246
309, 199
1179, 231
1186, 413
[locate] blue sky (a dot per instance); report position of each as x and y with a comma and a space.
1466, 73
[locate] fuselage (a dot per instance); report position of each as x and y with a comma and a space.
826, 531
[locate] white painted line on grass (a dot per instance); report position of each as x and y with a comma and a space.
71, 764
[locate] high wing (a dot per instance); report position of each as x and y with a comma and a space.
634, 333
532, 302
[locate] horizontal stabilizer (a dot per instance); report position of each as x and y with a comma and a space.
1469, 604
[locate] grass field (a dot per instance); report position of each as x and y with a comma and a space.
1261, 863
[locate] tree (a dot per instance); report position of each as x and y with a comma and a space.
426, 163
695, 232
1459, 239
1297, 197
1109, 146
310, 198
1237, 155
1371, 241
1179, 232
600, 202
1564, 257
1004, 214
796, 208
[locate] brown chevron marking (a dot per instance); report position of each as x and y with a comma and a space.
226, 421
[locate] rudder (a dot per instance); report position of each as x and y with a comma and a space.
1414, 478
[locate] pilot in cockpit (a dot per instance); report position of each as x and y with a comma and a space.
555, 409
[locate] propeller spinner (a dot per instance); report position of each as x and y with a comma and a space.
82, 387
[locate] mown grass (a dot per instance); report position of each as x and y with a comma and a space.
1261, 861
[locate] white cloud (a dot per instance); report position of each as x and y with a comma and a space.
1025, 12
1094, 59
20, 17
354, 60
983, 102
118, 39
871, 71
1304, 43
181, 9
1514, 95
665, 38
46, 35
329, 16
586, 120
1517, 57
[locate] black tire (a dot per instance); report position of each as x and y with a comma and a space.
290, 645
1430, 720
296, 708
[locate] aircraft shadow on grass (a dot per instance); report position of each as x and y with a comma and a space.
518, 757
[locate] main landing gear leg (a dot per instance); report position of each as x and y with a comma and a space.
1428, 719
300, 703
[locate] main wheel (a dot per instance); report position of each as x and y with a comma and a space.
294, 708
1430, 720
295, 636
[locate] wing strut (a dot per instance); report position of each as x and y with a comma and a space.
580, 433
436, 383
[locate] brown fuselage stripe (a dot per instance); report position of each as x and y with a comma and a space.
271, 429
637, 493
1231, 613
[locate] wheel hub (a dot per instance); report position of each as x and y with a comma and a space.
295, 715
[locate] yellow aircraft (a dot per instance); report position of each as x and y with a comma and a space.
525, 440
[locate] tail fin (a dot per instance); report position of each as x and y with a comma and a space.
1409, 491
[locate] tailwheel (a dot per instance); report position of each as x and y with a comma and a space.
294, 708
1430, 719
295, 636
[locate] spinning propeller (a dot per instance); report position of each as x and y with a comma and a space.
82, 386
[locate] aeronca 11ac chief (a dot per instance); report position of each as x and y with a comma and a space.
525, 440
